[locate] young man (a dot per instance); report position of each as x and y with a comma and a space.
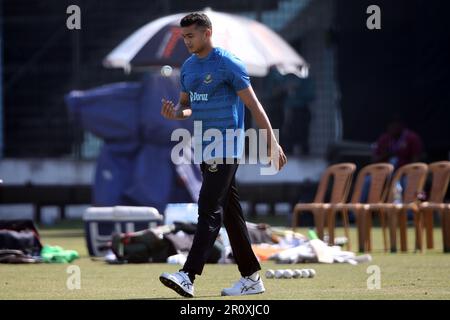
215, 87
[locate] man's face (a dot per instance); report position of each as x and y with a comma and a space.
195, 38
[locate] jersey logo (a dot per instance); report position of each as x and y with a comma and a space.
213, 168
208, 79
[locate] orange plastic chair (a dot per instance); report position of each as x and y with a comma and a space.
415, 175
440, 178
379, 174
342, 177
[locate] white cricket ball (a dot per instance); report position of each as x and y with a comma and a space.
312, 273
270, 274
166, 71
279, 273
305, 273
297, 273
288, 274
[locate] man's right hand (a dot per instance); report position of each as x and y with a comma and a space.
168, 110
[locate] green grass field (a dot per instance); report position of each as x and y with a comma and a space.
403, 276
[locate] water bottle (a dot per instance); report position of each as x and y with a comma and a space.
398, 190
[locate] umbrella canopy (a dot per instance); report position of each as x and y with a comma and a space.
160, 43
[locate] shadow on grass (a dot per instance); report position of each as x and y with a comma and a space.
181, 298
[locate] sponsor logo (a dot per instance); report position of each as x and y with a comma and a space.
194, 96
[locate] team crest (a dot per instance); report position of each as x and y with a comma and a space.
213, 168
208, 79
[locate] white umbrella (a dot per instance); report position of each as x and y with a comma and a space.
159, 43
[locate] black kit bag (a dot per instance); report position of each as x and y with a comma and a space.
20, 235
140, 247
155, 246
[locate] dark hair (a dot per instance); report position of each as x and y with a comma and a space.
199, 19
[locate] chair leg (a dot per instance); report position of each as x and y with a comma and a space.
418, 226
346, 227
446, 230
368, 233
383, 229
331, 217
403, 230
294, 219
392, 218
428, 223
319, 222
360, 225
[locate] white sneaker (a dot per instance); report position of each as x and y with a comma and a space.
179, 282
245, 286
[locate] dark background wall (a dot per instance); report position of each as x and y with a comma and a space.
404, 68
43, 60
